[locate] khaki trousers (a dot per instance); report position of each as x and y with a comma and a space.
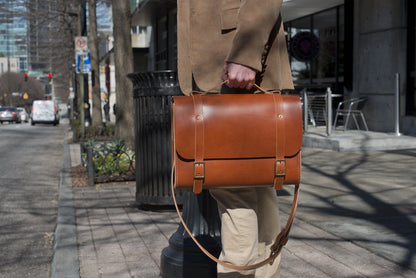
250, 224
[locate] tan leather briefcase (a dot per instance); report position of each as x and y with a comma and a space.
236, 140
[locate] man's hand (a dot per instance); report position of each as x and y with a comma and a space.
238, 76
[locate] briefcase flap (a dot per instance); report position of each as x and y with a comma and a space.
237, 126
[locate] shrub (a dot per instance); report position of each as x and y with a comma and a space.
111, 159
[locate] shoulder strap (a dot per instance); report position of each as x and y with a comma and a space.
276, 248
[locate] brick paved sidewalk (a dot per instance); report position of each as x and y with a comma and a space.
116, 239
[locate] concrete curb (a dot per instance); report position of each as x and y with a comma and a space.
65, 262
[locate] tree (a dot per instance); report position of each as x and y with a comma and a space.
13, 82
123, 60
95, 64
50, 38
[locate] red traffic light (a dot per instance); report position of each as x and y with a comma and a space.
26, 75
49, 77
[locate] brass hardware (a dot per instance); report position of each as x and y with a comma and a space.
199, 177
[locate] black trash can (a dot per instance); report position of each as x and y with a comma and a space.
152, 92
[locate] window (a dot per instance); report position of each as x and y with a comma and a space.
316, 48
162, 44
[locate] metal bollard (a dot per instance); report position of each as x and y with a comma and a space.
90, 167
305, 110
329, 111
397, 105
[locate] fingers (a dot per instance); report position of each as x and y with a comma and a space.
239, 76
224, 75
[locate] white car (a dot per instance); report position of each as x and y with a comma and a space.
45, 111
24, 116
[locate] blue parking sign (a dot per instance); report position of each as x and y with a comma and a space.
87, 63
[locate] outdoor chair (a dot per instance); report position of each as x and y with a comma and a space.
352, 107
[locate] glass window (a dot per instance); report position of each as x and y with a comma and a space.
325, 36
162, 43
316, 48
299, 63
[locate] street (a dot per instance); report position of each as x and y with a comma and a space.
31, 162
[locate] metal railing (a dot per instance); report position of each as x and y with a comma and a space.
105, 164
318, 108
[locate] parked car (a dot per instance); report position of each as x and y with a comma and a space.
9, 114
24, 116
45, 111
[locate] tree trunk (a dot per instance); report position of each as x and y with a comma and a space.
97, 118
123, 60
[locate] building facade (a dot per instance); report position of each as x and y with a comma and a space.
358, 48
13, 33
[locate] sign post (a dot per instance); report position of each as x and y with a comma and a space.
81, 48
81, 45
86, 59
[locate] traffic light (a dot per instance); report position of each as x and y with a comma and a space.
49, 77
26, 76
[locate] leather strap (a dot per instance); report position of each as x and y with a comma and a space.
199, 164
280, 162
275, 249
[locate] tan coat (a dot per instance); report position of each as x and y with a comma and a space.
247, 32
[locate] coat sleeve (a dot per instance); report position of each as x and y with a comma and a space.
255, 21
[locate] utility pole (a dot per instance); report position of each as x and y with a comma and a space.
81, 84
84, 33
81, 32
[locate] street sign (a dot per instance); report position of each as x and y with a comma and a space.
87, 63
81, 45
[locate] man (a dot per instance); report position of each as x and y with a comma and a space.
107, 111
241, 42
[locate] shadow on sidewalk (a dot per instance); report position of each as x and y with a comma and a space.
374, 188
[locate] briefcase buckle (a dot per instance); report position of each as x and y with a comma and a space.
199, 175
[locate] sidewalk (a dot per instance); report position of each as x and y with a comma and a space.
118, 240
356, 218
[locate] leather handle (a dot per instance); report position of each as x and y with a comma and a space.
225, 82
275, 249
